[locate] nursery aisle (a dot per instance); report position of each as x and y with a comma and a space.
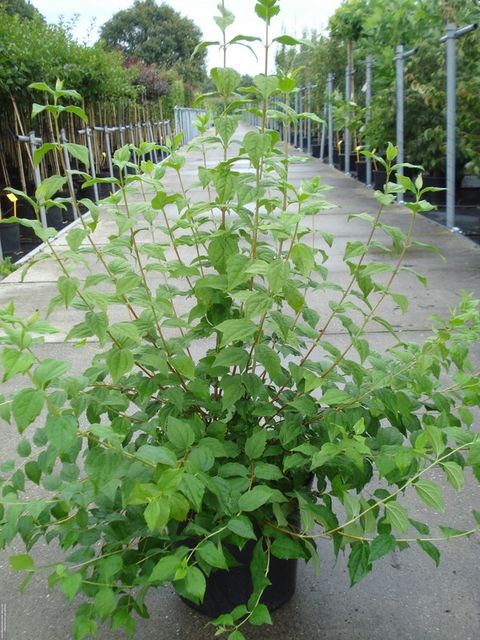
436, 604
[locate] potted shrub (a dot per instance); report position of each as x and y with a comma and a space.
220, 424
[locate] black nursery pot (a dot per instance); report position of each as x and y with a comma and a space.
437, 198
228, 589
379, 179
316, 150
361, 170
10, 239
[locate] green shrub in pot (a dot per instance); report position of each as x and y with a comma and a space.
207, 407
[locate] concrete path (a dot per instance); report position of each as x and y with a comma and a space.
405, 598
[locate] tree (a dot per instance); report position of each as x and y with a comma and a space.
157, 34
21, 8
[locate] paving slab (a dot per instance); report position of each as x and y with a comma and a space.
406, 597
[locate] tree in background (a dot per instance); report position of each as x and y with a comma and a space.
21, 8
159, 35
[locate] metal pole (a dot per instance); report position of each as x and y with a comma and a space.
368, 115
66, 157
450, 38
34, 143
330, 119
88, 133
400, 80
309, 122
324, 126
301, 100
347, 144
295, 132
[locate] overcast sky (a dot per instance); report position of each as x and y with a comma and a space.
295, 16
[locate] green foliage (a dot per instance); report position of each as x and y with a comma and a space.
50, 52
218, 413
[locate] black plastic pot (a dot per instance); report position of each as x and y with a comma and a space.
10, 238
437, 198
55, 218
316, 150
379, 179
361, 170
227, 589
341, 162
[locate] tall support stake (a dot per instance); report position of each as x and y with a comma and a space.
34, 143
324, 127
301, 105
330, 119
309, 122
400, 57
368, 114
296, 107
66, 158
88, 134
348, 97
450, 38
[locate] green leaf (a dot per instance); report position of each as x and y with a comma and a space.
70, 585
49, 187
236, 271
256, 443
257, 145
255, 498
33, 471
226, 80
193, 585
287, 548
105, 602
212, 555
49, 370
42, 151
79, 152
266, 85
184, 365
277, 274
431, 550
165, 569
22, 562
180, 433
333, 397
396, 516
193, 489
269, 359
236, 635
157, 514
226, 127
75, 237
381, 546
359, 564
260, 615
303, 258
119, 362
24, 448
454, 474
26, 406
235, 330
15, 362
67, 288
156, 455
431, 494
293, 296
242, 526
